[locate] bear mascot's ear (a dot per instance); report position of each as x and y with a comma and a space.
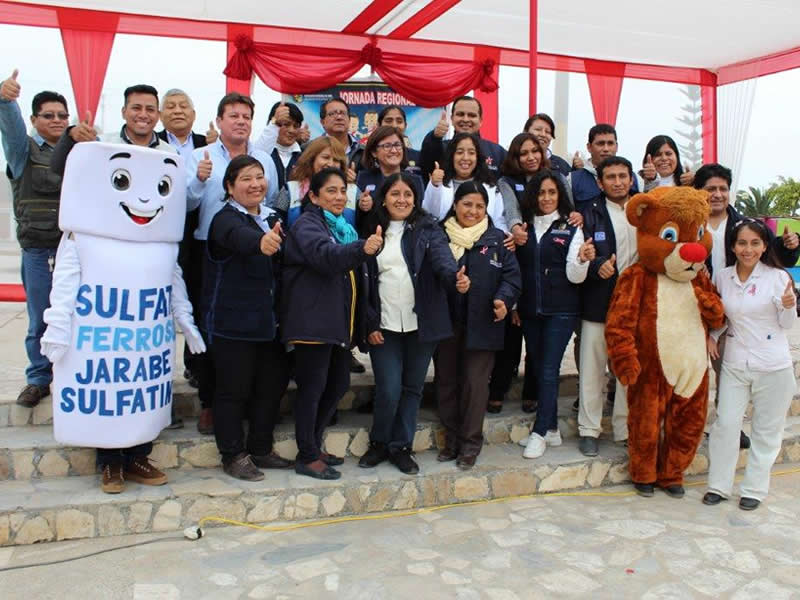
636, 207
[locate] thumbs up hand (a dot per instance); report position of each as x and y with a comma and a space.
500, 310
271, 241
9, 89
303, 134
520, 233
374, 242
462, 281
587, 251
437, 177
212, 134
204, 167
577, 160
351, 173
443, 126
649, 169
607, 269
687, 177
790, 240
365, 201
788, 300
281, 114
84, 131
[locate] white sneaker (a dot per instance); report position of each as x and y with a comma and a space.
536, 446
552, 438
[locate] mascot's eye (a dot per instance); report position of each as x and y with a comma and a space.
121, 180
700, 232
164, 185
670, 234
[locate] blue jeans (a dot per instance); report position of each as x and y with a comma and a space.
400, 365
546, 339
37, 279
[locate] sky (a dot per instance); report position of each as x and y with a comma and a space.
646, 108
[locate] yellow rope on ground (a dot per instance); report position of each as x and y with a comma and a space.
431, 509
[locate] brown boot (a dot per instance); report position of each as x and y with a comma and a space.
113, 481
141, 471
205, 424
242, 467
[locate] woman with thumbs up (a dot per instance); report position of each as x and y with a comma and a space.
760, 307
238, 304
323, 303
407, 317
661, 165
553, 262
464, 361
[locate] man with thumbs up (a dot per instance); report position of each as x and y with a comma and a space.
36, 192
613, 249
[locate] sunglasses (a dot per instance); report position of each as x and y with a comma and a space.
49, 116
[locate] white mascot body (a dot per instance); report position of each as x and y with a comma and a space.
116, 289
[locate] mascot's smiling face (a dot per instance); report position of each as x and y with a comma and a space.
671, 230
123, 191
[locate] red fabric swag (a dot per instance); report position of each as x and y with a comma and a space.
426, 81
605, 87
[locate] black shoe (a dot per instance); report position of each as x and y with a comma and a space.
466, 461
588, 445
355, 366
326, 473
712, 498
271, 461
674, 491
645, 490
447, 454
330, 459
748, 503
376, 454
242, 467
191, 378
32, 394
495, 406
403, 461
575, 405
744, 441
528, 405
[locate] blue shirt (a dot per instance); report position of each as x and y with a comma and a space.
208, 195
15, 137
183, 148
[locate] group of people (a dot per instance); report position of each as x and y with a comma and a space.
296, 251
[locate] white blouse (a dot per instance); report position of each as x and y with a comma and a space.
439, 198
756, 320
395, 288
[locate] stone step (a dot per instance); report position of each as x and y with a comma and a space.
32, 453
74, 507
187, 404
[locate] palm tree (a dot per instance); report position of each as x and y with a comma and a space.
755, 202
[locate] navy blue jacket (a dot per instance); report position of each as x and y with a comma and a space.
585, 188
494, 274
239, 282
596, 291
284, 172
559, 164
433, 150
788, 258
433, 272
316, 303
545, 288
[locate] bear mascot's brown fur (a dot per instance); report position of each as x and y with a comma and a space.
658, 320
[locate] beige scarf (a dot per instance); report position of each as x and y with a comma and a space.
463, 238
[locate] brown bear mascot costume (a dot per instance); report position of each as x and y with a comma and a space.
658, 320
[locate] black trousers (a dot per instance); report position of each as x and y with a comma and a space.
122, 456
251, 378
506, 361
322, 374
190, 259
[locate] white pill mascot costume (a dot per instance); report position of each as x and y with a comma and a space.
116, 289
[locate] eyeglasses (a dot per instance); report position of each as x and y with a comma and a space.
390, 146
49, 116
336, 113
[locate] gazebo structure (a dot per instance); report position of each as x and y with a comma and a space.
433, 50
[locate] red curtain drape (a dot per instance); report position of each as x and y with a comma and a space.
88, 37
605, 87
427, 81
